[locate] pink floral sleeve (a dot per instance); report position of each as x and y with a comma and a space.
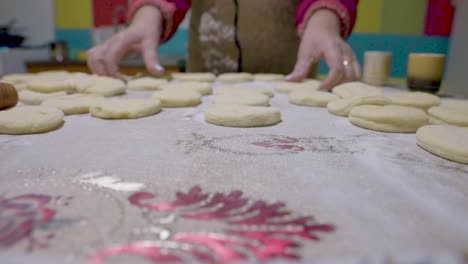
173, 13
344, 9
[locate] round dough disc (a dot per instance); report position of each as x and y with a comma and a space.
389, 118
342, 107
252, 99
73, 104
242, 116
178, 97
356, 89
309, 97
415, 99
204, 88
17, 78
145, 84
242, 89
235, 77
443, 115
43, 85
105, 86
194, 76
125, 108
35, 98
288, 87
268, 77
448, 142
30, 120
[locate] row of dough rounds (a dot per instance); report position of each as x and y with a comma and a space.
441, 128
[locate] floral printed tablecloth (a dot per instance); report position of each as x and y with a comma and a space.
172, 188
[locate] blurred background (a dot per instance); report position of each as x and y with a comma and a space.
398, 26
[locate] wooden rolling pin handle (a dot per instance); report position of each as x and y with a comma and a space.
8, 96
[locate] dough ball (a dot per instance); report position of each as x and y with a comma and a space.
235, 77
73, 104
81, 81
448, 142
178, 97
456, 104
309, 97
342, 107
35, 98
50, 86
356, 89
389, 118
18, 78
242, 116
268, 77
241, 89
288, 87
415, 99
204, 88
125, 108
145, 84
252, 99
53, 75
449, 114
30, 120
105, 86
194, 76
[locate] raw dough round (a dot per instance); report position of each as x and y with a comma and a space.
443, 115
145, 84
242, 89
309, 97
268, 77
73, 104
342, 107
30, 120
178, 97
242, 116
287, 87
17, 78
125, 108
105, 86
448, 142
356, 89
415, 99
194, 76
44, 85
235, 77
389, 118
81, 81
35, 98
456, 104
252, 99
203, 88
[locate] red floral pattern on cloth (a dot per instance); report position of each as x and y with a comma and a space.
20, 216
265, 230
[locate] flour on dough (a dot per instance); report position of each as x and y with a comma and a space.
194, 76
448, 142
146, 84
105, 86
310, 97
243, 89
415, 99
125, 108
252, 99
342, 107
356, 89
178, 97
30, 120
36, 98
73, 104
242, 116
235, 77
389, 118
204, 88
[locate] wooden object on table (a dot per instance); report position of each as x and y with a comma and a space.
8, 96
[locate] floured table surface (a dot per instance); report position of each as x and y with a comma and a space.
172, 187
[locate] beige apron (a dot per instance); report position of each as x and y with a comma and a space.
268, 37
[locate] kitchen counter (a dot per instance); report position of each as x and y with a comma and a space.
172, 187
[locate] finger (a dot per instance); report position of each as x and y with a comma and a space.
334, 58
95, 60
302, 67
150, 56
353, 68
116, 49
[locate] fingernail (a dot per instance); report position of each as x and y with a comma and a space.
159, 68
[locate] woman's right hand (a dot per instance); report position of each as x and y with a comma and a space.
142, 36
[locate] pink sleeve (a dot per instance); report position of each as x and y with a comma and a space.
345, 9
172, 11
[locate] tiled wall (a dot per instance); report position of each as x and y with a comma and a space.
398, 26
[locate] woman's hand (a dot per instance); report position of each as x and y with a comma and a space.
142, 36
322, 40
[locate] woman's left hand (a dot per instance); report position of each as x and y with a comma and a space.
322, 40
